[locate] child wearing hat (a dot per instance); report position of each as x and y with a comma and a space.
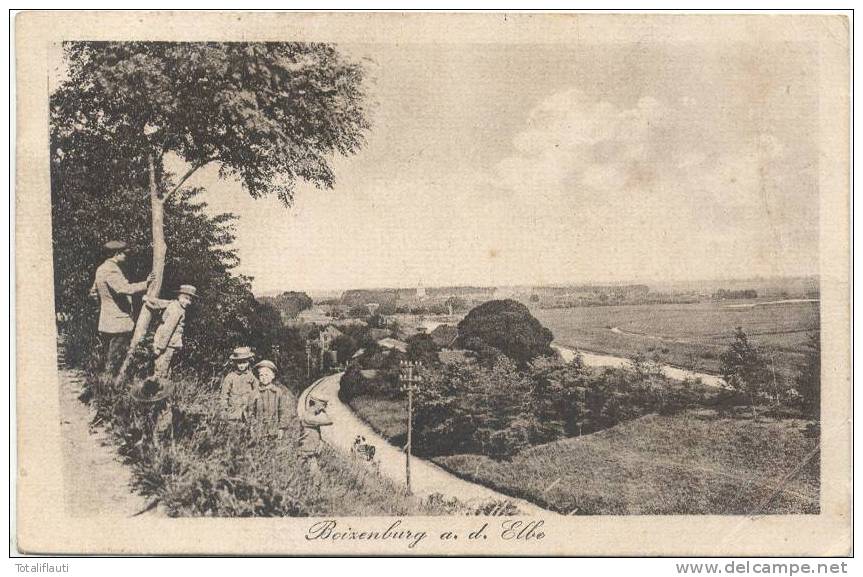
273, 406
239, 386
169, 336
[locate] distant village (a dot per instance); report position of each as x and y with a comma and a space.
394, 316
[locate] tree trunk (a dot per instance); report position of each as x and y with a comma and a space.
157, 207
752, 405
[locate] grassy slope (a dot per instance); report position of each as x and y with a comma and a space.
217, 468
693, 463
684, 334
388, 417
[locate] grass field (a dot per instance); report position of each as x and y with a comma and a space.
388, 417
692, 463
688, 335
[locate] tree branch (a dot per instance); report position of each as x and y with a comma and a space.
189, 173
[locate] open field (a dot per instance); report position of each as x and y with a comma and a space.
692, 463
687, 335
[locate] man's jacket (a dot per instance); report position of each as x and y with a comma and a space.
114, 293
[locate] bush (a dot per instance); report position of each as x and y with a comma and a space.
679, 398
351, 384
744, 368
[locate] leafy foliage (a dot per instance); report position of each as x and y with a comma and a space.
500, 410
422, 348
268, 113
508, 326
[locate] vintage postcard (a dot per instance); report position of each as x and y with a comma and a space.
433, 284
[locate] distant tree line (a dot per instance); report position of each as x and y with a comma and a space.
726, 294
289, 303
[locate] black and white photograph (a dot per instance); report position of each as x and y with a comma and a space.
543, 279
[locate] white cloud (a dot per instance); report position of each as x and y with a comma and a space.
650, 186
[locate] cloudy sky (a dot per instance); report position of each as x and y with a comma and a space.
511, 164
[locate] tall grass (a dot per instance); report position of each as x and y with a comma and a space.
208, 466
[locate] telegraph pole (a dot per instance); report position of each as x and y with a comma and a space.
408, 379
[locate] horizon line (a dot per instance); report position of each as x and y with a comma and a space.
543, 285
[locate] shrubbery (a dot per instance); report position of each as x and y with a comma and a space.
499, 410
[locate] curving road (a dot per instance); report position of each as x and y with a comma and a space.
426, 477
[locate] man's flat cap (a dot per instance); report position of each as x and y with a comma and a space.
115, 245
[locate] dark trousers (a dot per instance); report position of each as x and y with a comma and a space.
115, 347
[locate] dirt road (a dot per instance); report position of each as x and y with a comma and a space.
426, 477
96, 482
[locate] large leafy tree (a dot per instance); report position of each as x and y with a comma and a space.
268, 114
507, 326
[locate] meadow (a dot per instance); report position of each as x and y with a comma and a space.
692, 336
696, 462
702, 460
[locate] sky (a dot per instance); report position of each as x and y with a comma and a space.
546, 163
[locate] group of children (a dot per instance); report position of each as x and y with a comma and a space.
252, 395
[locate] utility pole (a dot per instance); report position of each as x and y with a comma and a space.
308, 359
408, 378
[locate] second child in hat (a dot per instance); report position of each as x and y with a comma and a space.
239, 387
169, 336
274, 407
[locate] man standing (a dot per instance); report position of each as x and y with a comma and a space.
314, 417
169, 336
115, 293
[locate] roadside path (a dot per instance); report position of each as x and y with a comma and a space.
426, 477
95, 481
